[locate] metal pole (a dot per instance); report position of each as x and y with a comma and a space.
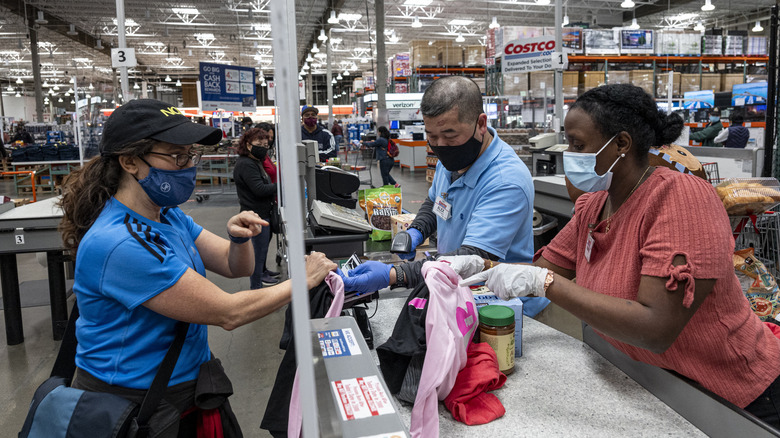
77, 128
36, 67
558, 117
285, 76
770, 164
120, 30
328, 80
380, 113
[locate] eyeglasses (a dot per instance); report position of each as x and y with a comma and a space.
259, 144
181, 160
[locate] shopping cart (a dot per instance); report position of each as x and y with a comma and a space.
762, 233
217, 172
713, 176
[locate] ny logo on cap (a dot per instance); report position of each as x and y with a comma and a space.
170, 111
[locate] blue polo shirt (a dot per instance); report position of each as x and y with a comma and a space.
122, 261
492, 205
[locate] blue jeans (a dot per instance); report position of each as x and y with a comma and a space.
260, 244
385, 165
339, 139
767, 405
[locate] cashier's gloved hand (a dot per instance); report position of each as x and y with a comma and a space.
464, 265
509, 281
417, 239
369, 276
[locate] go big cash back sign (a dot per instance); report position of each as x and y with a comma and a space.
227, 87
532, 54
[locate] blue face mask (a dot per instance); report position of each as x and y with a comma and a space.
580, 169
714, 119
169, 188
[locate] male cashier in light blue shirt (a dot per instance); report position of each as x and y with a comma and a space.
481, 199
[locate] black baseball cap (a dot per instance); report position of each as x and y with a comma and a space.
149, 118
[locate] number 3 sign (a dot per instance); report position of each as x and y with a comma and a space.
123, 58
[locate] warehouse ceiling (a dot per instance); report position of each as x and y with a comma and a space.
170, 38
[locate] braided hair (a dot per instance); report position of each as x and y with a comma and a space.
623, 107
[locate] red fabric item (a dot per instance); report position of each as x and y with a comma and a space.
469, 400
270, 169
210, 424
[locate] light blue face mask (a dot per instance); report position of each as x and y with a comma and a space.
714, 119
580, 169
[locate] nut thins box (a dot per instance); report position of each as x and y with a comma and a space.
401, 222
483, 297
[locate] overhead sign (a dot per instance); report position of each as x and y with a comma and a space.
530, 54
123, 57
227, 87
404, 114
402, 104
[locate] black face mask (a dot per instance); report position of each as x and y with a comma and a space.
455, 158
259, 152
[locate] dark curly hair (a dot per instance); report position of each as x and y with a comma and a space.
383, 132
623, 107
86, 190
246, 140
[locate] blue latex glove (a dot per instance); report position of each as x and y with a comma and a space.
369, 276
417, 239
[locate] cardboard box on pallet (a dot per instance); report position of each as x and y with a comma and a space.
571, 83
618, 77
474, 56
539, 81
728, 80
661, 81
643, 79
423, 54
449, 54
515, 83
710, 81
689, 82
590, 80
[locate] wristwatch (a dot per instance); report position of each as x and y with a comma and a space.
399, 278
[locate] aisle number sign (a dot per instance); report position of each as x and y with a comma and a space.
124, 57
531, 54
227, 87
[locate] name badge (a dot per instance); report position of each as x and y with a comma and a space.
588, 247
442, 208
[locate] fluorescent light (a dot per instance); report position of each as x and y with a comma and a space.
333, 18
460, 22
757, 27
634, 24
185, 11
494, 24
416, 23
417, 2
350, 17
627, 4
542, 2
707, 6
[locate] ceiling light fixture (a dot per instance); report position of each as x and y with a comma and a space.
315, 49
334, 82
627, 4
178, 82
72, 101
460, 38
565, 21
40, 19
19, 81
542, 2
699, 27
309, 58
634, 25
59, 100
136, 86
346, 72
707, 6
416, 23
56, 87
339, 77
91, 87
322, 36
72, 30
757, 27
17, 94
494, 24
168, 78
333, 18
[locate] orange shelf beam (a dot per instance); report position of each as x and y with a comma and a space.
670, 59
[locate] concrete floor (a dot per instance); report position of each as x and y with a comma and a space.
250, 354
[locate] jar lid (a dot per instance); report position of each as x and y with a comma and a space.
496, 315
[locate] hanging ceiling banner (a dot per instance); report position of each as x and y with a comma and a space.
528, 54
227, 87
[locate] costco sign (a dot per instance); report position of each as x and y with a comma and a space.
531, 54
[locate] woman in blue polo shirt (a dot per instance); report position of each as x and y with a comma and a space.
141, 262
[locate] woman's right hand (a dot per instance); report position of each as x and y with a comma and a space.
317, 268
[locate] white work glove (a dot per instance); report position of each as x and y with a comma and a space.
464, 265
509, 281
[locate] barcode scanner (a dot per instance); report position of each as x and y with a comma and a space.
402, 243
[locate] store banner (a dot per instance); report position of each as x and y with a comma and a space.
698, 99
531, 54
227, 87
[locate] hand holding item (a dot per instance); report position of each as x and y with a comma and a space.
317, 268
464, 265
413, 237
245, 224
510, 281
369, 276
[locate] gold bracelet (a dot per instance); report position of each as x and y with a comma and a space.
491, 264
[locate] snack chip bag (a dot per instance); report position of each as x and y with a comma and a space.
758, 284
380, 204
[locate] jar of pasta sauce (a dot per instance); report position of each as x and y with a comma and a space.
497, 328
